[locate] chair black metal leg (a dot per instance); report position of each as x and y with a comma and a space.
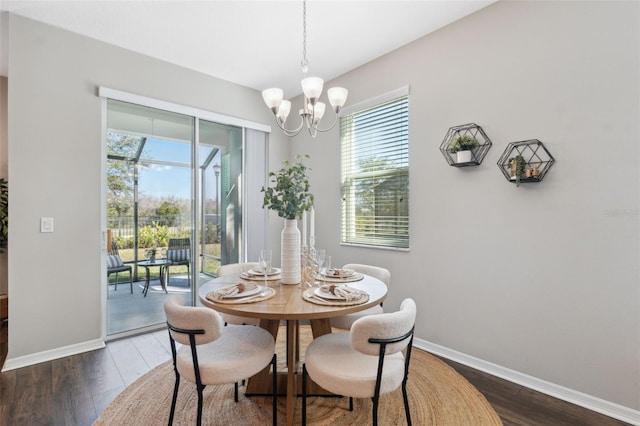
199, 421
274, 362
375, 410
131, 282
116, 288
406, 402
235, 391
304, 394
175, 398
350, 403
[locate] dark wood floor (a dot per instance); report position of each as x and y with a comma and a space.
75, 390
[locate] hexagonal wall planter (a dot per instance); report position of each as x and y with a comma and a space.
536, 161
471, 157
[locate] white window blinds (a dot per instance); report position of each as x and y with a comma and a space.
375, 175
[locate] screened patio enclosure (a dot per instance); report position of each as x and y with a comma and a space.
141, 198
155, 194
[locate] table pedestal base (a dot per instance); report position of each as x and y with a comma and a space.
289, 383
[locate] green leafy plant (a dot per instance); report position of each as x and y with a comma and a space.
4, 215
462, 143
520, 166
153, 235
290, 195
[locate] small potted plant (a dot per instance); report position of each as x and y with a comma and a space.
151, 254
517, 166
462, 146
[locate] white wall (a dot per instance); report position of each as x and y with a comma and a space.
55, 170
542, 279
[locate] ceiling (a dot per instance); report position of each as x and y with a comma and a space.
258, 43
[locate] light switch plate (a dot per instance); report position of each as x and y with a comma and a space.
46, 224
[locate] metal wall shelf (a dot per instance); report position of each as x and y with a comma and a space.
477, 154
538, 160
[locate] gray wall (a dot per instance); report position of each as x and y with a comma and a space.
55, 170
542, 279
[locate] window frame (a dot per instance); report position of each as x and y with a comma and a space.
348, 176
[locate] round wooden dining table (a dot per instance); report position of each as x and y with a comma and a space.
288, 304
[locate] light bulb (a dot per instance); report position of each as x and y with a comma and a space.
312, 88
272, 97
283, 111
337, 97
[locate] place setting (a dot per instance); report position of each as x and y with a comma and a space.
335, 275
335, 295
242, 292
254, 274
245, 291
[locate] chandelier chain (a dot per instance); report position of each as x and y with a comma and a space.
305, 63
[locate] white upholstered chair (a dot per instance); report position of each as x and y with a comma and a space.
366, 361
344, 322
236, 269
212, 354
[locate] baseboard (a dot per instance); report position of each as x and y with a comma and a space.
27, 360
589, 402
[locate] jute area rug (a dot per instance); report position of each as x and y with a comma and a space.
438, 395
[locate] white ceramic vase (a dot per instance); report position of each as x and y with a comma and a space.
290, 253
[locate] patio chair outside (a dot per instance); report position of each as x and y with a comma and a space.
115, 265
179, 253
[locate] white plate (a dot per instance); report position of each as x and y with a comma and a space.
344, 273
272, 271
249, 290
318, 292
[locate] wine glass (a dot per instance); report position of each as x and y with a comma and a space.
325, 265
264, 264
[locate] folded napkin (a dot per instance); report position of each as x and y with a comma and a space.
340, 273
230, 291
342, 291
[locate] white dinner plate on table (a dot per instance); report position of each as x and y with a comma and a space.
256, 272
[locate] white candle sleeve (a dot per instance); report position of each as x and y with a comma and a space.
312, 224
304, 228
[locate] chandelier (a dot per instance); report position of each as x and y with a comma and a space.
312, 109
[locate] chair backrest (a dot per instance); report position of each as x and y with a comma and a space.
375, 271
386, 326
234, 268
114, 248
114, 261
113, 258
179, 249
189, 319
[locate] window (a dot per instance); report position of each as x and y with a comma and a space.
375, 172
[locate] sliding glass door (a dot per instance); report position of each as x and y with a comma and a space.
149, 208
183, 185
169, 223
220, 173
